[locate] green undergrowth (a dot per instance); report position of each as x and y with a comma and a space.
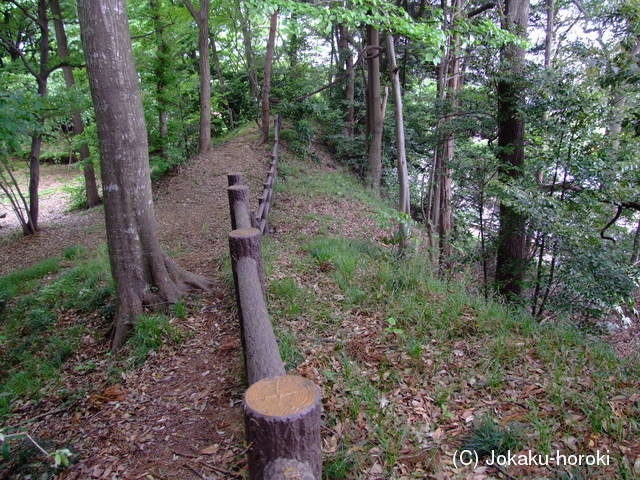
414, 366
154, 331
50, 307
54, 323
42, 318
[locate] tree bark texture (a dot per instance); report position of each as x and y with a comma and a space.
511, 262
160, 69
42, 78
347, 59
266, 83
144, 274
91, 187
223, 89
375, 108
248, 51
239, 206
403, 174
202, 20
636, 246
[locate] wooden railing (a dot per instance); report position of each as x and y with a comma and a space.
264, 205
282, 412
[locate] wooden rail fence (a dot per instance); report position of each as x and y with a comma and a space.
258, 220
282, 412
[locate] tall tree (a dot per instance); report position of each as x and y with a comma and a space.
223, 88
452, 85
376, 107
162, 77
512, 239
403, 175
201, 17
248, 51
144, 274
346, 57
266, 82
91, 188
40, 69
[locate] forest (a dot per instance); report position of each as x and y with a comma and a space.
453, 254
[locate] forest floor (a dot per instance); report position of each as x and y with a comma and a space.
177, 416
412, 367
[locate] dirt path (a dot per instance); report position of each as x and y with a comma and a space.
60, 228
177, 417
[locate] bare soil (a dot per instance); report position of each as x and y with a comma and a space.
59, 227
178, 416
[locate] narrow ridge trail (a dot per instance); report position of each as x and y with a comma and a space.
178, 416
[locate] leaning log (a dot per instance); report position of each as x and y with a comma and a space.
235, 178
282, 418
262, 357
239, 206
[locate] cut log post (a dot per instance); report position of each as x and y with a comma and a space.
261, 354
288, 469
239, 206
235, 179
282, 419
246, 242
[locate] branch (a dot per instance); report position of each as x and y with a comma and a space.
10, 46
631, 205
157, 30
621, 206
27, 14
194, 13
361, 57
562, 185
62, 64
479, 10
611, 222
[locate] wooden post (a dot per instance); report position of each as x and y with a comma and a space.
239, 206
282, 419
262, 356
288, 469
246, 242
235, 179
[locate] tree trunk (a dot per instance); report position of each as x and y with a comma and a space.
266, 84
435, 181
636, 246
223, 89
451, 87
202, 20
144, 274
34, 171
347, 58
36, 139
162, 60
403, 175
91, 187
250, 57
511, 260
282, 420
294, 42
375, 109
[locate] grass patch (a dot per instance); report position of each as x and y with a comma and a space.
151, 333
22, 281
414, 366
34, 342
487, 437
